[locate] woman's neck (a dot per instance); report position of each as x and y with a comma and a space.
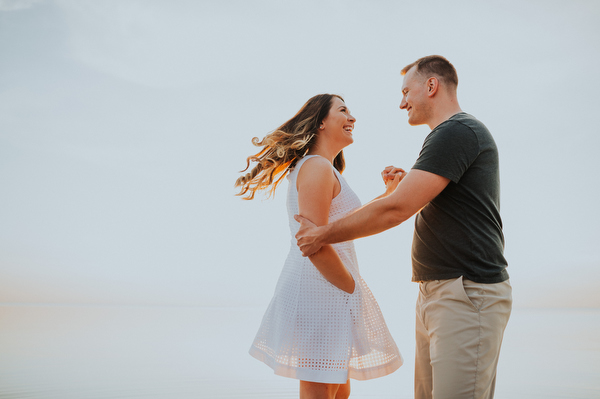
324, 152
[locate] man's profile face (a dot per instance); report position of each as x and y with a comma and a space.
414, 97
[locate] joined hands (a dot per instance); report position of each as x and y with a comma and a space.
392, 176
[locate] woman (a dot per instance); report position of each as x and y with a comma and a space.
323, 325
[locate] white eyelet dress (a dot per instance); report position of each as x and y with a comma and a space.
312, 330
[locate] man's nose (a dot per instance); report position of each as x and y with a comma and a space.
403, 104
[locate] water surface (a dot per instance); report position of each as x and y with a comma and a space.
81, 352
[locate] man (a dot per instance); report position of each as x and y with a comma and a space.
464, 298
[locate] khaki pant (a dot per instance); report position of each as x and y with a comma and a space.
459, 332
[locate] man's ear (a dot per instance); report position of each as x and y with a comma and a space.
433, 84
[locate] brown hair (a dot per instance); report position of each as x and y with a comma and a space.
435, 65
285, 146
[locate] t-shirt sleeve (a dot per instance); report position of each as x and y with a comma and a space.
448, 151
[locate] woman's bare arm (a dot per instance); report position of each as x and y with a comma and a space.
317, 185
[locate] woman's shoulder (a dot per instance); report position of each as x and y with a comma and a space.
315, 165
316, 168
317, 160
317, 180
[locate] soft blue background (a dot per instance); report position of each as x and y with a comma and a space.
128, 268
123, 125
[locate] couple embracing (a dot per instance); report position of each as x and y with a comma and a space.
323, 325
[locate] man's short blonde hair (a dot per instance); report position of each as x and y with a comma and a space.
435, 65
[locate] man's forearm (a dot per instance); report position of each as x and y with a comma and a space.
412, 194
373, 218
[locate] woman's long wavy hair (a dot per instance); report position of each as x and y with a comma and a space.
285, 146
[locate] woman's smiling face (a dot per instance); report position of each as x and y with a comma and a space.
339, 123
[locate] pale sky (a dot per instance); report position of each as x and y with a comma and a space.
123, 125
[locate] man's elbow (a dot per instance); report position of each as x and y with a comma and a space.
395, 217
397, 214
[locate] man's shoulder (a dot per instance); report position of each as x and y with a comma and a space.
461, 119
462, 126
457, 127
468, 121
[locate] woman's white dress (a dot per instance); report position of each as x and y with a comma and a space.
312, 330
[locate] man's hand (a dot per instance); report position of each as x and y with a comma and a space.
307, 236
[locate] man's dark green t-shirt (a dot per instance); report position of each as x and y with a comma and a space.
459, 233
